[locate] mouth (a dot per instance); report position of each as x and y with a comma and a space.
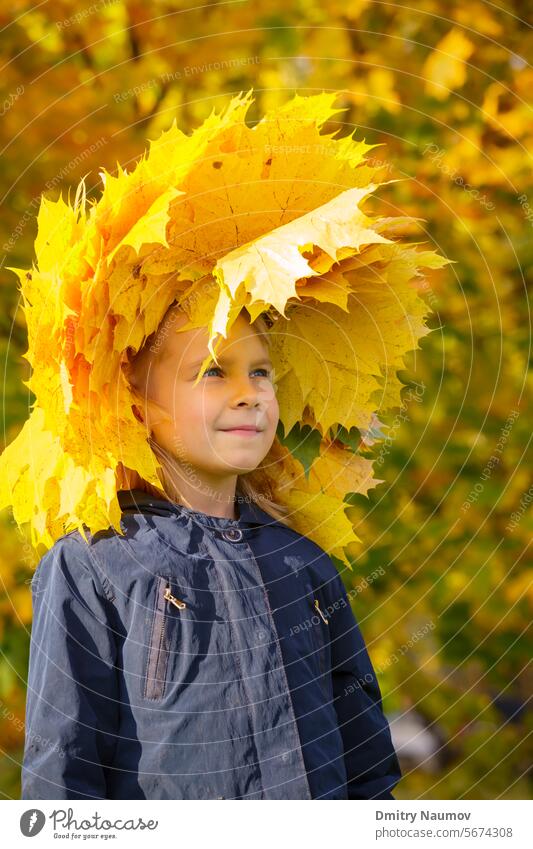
246, 430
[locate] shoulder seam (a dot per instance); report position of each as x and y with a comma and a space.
91, 565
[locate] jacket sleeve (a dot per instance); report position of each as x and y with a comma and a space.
372, 766
72, 698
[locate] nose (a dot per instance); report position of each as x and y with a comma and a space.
246, 395
249, 391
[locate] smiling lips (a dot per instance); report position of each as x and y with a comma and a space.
243, 430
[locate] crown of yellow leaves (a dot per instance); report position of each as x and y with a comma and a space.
265, 217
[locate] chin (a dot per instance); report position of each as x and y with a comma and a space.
244, 466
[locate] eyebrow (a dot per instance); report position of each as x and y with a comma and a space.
259, 362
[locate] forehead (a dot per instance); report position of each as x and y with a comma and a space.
191, 345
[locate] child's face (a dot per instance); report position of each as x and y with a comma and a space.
199, 429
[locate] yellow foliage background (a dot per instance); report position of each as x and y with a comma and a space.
441, 585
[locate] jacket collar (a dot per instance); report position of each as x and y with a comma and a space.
139, 501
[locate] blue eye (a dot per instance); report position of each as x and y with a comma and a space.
265, 371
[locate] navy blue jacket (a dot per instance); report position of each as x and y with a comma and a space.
198, 657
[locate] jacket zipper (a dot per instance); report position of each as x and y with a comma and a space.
324, 618
157, 661
154, 689
173, 600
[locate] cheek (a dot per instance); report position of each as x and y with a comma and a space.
194, 413
273, 411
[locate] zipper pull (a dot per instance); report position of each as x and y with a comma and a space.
324, 619
169, 597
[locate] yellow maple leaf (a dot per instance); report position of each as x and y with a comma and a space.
270, 266
337, 471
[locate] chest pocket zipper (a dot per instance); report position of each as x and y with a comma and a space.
158, 646
324, 618
169, 597
321, 639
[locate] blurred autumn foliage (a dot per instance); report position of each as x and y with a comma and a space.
441, 585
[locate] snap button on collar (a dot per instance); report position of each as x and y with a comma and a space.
232, 534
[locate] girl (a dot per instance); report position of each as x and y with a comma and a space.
192, 639
210, 652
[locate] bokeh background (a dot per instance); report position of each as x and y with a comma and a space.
441, 587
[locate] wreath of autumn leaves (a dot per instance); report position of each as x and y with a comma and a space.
266, 217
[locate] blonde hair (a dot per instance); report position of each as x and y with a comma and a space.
257, 486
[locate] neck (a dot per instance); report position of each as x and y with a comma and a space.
214, 496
